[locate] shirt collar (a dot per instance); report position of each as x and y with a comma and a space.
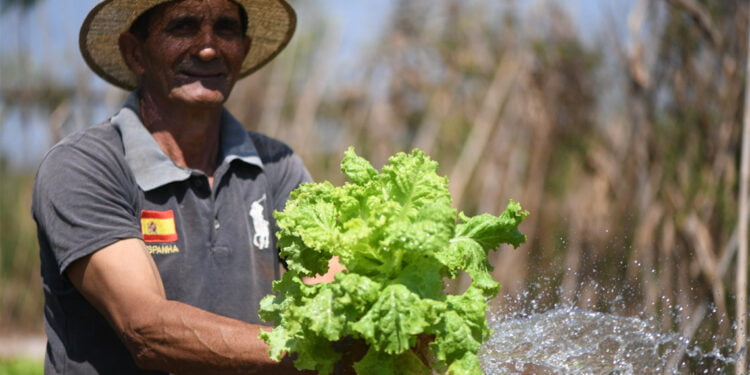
153, 168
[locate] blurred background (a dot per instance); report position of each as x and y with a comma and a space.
616, 124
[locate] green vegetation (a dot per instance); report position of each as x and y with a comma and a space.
20, 284
624, 143
21, 366
396, 234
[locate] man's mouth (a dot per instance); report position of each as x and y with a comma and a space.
203, 75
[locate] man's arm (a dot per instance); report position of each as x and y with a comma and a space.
123, 283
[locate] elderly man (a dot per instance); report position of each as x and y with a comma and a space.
155, 227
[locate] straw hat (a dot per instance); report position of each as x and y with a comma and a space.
271, 25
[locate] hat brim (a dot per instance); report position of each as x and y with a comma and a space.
271, 26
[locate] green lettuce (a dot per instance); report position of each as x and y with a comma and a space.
399, 238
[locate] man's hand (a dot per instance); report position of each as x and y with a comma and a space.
334, 267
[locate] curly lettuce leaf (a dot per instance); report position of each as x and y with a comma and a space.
461, 327
475, 237
398, 236
491, 231
380, 363
393, 321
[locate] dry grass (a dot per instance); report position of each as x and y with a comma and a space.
633, 199
20, 289
631, 177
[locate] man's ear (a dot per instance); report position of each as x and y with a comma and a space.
131, 49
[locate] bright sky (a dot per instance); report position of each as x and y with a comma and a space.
52, 33
51, 39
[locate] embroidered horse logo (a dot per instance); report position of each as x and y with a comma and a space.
260, 224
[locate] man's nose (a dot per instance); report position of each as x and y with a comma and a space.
207, 53
207, 45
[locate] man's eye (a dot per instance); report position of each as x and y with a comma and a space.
182, 27
228, 28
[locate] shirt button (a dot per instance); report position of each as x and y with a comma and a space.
217, 225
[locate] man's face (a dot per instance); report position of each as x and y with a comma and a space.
193, 52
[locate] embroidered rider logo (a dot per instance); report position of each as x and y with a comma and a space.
261, 230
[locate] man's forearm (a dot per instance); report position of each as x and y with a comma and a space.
182, 339
123, 283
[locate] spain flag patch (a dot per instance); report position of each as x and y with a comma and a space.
158, 226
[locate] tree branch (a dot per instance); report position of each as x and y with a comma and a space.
701, 17
744, 211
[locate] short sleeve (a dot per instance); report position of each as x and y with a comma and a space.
84, 199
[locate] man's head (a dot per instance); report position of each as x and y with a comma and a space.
266, 25
188, 51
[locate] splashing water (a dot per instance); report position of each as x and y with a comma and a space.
569, 340
573, 341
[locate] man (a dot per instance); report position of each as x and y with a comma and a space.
156, 227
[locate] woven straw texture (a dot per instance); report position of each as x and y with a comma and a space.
271, 25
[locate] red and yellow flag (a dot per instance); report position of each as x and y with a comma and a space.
158, 226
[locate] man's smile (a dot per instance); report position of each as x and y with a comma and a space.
210, 70
200, 74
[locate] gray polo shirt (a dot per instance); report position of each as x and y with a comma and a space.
215, 247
